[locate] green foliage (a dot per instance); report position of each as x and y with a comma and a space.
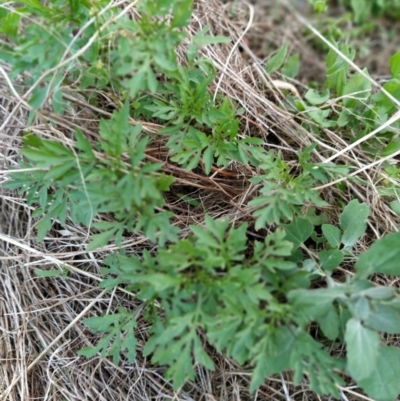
118, 181
363, 9
113, 341
273, 304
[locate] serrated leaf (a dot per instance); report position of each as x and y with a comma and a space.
38, 98
382, 257
100, 240
277, 60
332, 234
48, 273
88, 352
363, 347
353, 222
83, 144
43, 226
274, 357
383, 384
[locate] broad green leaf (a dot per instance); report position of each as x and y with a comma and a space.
379, 292
385, 318
353, 222
363, 347
314, 98
360, 9
330, 323
312, 304
292, 66
395, 206
277, 60
331, 259
395, 64
391, 147
320, 6
298, 231
357, 87
382, 257
332, 234
383, 383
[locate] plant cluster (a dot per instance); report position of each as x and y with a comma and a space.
275, 304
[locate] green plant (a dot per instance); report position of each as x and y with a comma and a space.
275, 304
363, 9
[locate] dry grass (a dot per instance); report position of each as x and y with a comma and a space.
40, 318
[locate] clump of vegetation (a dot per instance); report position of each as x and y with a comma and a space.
278, 287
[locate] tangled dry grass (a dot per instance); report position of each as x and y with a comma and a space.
40, 318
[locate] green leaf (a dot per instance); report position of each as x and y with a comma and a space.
385, 318
136, 83
330, 323
208, 158
38, 98
201, 40
274, 356
292, 66
383, 383
48, 273
363, 346
314, 98
360, 9
331, 259
201, 356
382, 257
298, 231
391, 147
277, 60
43, 227
100, 240
353, 222
357, 87
395, 206
313, 304
395, 64
332, 234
